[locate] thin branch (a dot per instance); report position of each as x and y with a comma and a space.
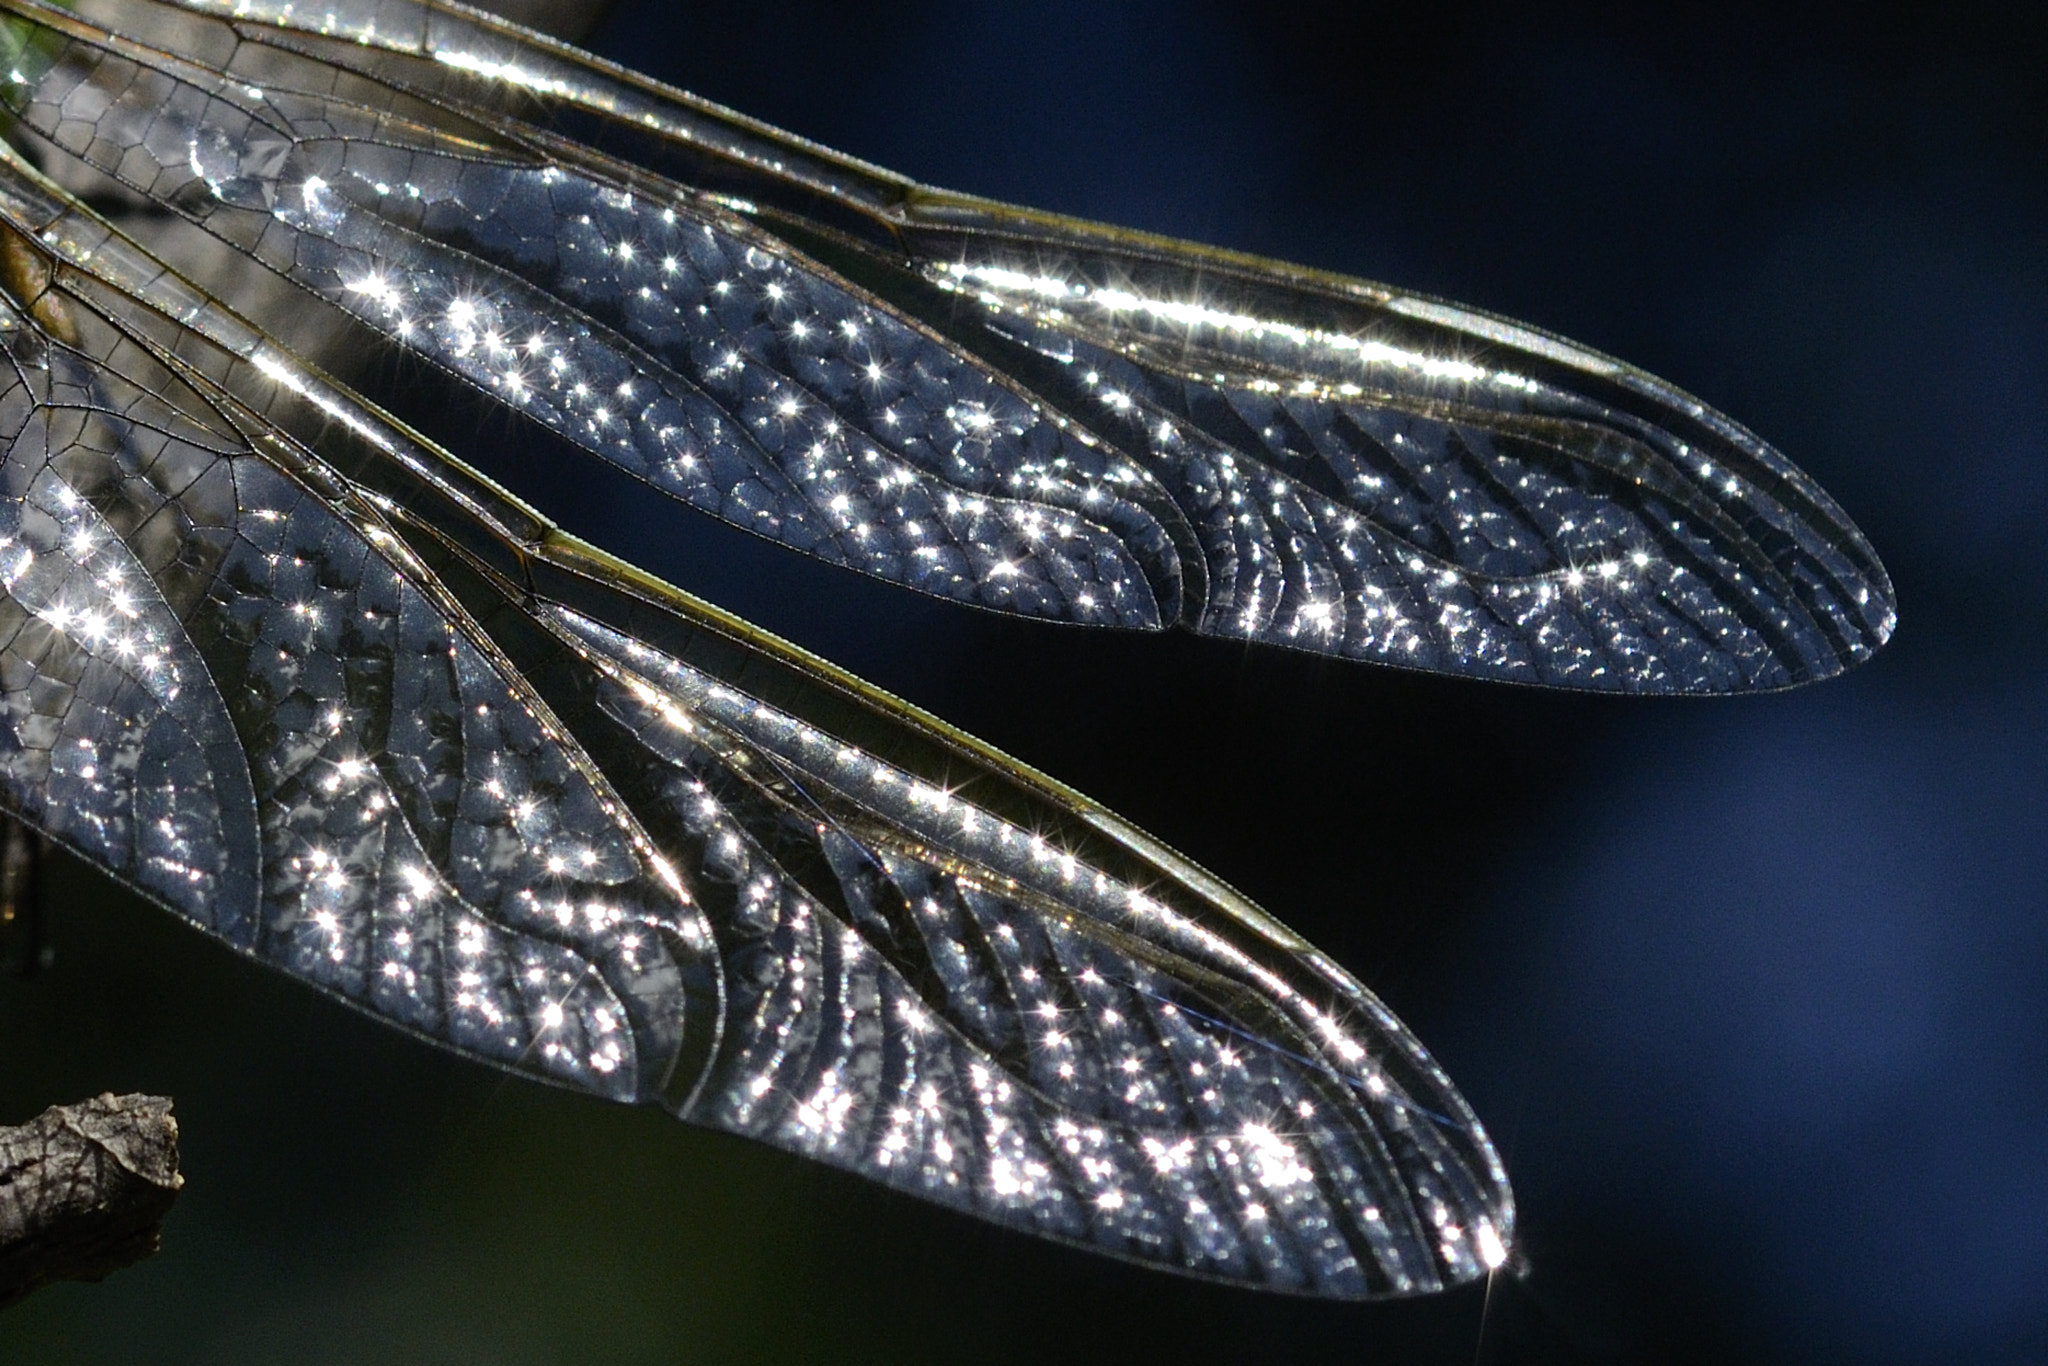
83, 1190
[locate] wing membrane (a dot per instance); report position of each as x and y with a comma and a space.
226, 684
328, 694
740, 376
1016, 410
981, 1002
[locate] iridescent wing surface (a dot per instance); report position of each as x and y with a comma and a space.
1016, 410
329, 695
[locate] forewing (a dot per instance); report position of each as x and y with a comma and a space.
335, 699
653, 326
1388, 477
1013, 409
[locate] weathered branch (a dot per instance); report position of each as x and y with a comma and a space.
83, 1190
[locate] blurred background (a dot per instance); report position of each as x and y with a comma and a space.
1753, 994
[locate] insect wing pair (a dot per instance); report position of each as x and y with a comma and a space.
325, 690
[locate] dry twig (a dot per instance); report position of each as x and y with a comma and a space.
83, 1190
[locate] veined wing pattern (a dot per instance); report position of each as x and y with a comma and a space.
319, 687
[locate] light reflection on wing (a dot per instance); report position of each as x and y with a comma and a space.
1016, 410
329, 695
1106, 1062
226, 682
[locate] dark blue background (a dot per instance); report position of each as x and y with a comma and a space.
1754, 994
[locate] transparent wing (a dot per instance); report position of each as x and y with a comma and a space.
1017, 410
332, 697
1037, 1017
223, 680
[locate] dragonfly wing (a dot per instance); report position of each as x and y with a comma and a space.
949, 978
1013, 409
225, 682
332, 697
652, 326
1388, 477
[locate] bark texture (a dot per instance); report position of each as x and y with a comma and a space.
83, 1190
